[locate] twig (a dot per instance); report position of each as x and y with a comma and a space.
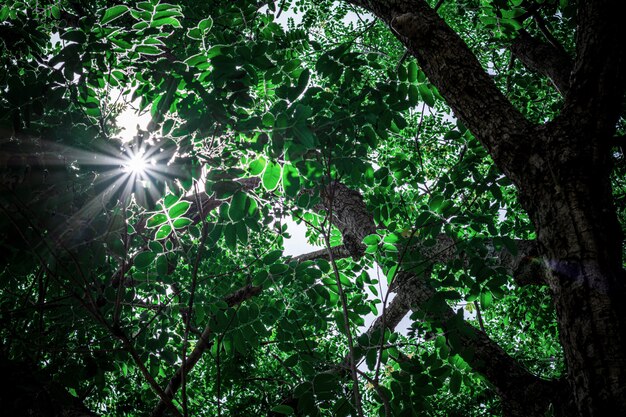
479, 317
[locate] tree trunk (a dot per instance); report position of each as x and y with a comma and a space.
567, 195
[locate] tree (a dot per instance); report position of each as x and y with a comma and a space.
471, 151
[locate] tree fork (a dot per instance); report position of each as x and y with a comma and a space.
513, 383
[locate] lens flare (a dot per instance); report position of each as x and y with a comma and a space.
136, 164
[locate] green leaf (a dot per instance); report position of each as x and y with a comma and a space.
179, 209
257, 166
281, 121
166, 6
163, 232
181, 222
371, 249
171, 21
197, 59
370, 136
283, 409
303, 81
486, 298
401, 73
54, 11
122, 44
162, 265
327, 382
304, 135
113, 13
144, 259
148, 49
145, 5
268, 120
435, 202
391, 274
166, 13
455, 382
242, 233
413, 95
205, 25
76, 35
291, 181
230, 236
194, 33
155, 247
271, 176
372, 239
391, 238
237, 208
427, 95
156, 220
412, 72
272, 257
140, 26
278, 269
170, 199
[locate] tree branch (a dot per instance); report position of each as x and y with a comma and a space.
413, 292
338, 252
205, 341
452, 67
544, 58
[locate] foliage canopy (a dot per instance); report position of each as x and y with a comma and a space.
161, 286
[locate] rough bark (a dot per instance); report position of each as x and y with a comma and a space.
593, 103
580, 238
544, 58
338, 252
350, 216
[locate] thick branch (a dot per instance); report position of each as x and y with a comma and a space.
544, 58
352, 218
525, 266
512, 382
452, 67
338, 252
413, 292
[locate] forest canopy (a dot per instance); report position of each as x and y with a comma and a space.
458, 166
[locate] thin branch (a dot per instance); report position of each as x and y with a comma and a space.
479, 317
